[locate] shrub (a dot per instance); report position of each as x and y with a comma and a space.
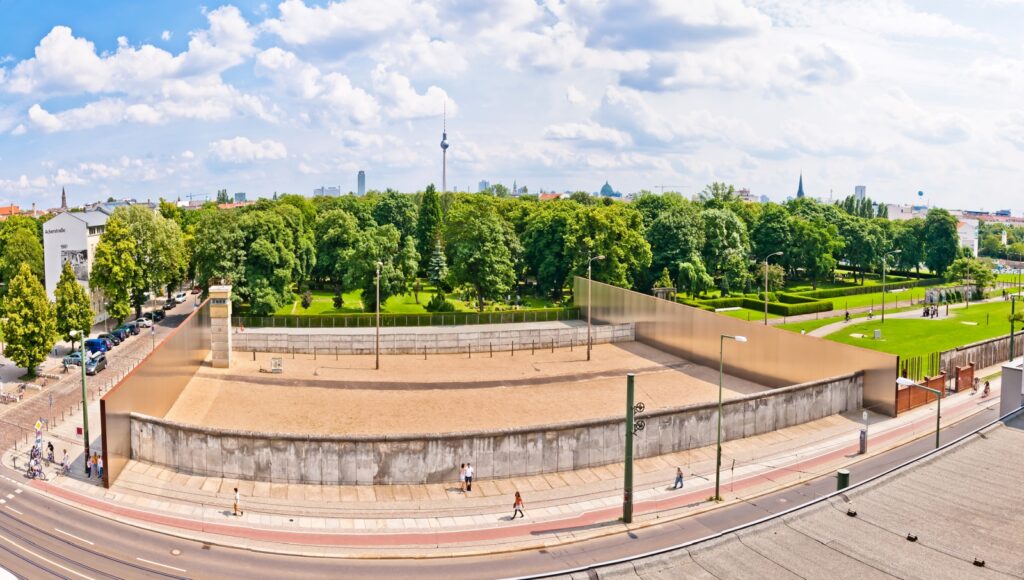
307, 299
339, 301
837, 292
438, 303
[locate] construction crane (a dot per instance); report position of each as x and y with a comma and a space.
671, 187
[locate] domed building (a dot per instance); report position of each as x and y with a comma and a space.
607, 191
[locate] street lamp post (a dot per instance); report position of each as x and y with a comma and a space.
85, 399
590, 305
766, 285
892, 253
376, 348
721, 376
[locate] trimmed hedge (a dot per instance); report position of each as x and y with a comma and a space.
803, 306
788, 298
837, 292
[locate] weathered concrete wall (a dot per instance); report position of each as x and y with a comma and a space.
433, 458
983, 354
438, 340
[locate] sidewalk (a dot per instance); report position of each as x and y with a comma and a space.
439, 520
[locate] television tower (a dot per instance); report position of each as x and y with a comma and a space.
444, 148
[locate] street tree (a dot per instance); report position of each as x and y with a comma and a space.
971, 271
73, 309
20, 244
615, 232
114, 269
30, 323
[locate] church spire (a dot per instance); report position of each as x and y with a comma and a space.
800, 188
63, 200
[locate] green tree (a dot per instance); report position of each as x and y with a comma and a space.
20, 243
725, 235
971, 271
663, 281
428, 224
544, 246
864, 243
372, 245
73, 309
675, 235
437, 271
718, 195
269, 261
772, 232
908, 238
615, 232
30, 325
409, 264
114, 269
812, 248
397, 209
940, 240
776, 276
219, 252
336, 231
693, 277
481, 247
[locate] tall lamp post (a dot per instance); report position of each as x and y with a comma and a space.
376, 347
721, 375
85, 399
892, 253
766, 285
590, 305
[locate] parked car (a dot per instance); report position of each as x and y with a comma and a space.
109, 343
158, 315
94, 345
180, 297
73, 359
116, 340
132, 327
121, 333
144, 322
169, 305
95, 363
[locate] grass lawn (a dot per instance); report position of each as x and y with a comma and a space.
323, 304
919, 336
892, 299
809, 325
748, 314
1013, 278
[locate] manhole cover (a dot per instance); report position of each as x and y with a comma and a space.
175, 552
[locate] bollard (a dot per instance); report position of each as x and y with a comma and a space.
570, 344
533, 347
254, 355
842, 479
314, 353
424, 352
552, 346
490, 345
469, 349
513, 348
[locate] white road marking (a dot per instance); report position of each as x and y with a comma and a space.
15, 511
10, 496
3, 501
159, 564
75, 537
42, 558
17, 491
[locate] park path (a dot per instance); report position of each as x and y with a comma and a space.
916, 313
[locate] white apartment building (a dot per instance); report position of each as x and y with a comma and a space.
72, 237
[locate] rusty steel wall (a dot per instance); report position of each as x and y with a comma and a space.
772, 356
152, 387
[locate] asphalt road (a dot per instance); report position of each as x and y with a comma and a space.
41, 538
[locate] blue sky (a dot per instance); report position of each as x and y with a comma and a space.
166, 99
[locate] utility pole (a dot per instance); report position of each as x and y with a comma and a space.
633, 426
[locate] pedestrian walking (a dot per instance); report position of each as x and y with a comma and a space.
65, 463
95, 464
99, 466
469, 477
974, 385
462, 478
238, 502
88, 466
987, 390
679, 479
517, 507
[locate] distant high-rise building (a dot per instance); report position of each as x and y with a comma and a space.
484, 185
239, 197
764, 199
745, 195
860, 191
800, 188
334, 190
361, 182
444, 149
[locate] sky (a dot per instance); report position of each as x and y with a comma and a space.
171, 99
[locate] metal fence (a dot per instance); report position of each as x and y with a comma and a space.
430, 319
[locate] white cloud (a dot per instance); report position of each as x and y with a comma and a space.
188, 154
333, 92
932, 127
589, 132
404, 101
242, 150
165, 35
352, 21
575, 96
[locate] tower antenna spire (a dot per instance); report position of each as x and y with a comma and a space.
444, 146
